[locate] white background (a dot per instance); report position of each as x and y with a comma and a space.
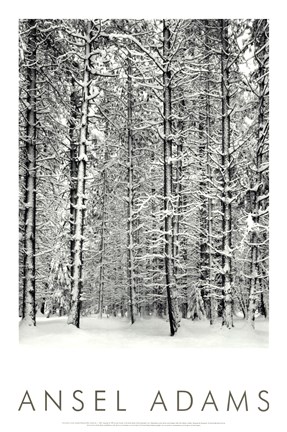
140, 374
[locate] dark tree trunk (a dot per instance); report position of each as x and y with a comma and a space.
210, 291
226, 179
73, 173
102, 241
77, 281
172, 300
179, 242
29, 308
130, 197
203, 221
256, 201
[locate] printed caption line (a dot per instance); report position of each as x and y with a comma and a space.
145, 424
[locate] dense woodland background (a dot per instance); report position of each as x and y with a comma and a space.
144, 169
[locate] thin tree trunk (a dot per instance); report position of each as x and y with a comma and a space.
178, 244
226, 180
178, 205
256, 285
155, 250
73, 175
102, 242
29, 308
130, 216
203, 209
168, 210
77, 281
102, 271
211, 293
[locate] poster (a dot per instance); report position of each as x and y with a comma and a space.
146, 387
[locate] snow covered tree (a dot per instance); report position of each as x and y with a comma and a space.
226, 178
259, 190
130, 198
151, 169
29, 137
80, 206
168, 186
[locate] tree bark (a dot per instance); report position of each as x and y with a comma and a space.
77, 281
29, 308
226, 179
211, 293
179, 246
130, 198
102, 242
172, 301
73, 174
203, 271
256, 276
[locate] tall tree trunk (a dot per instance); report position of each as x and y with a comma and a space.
102, 241
102, 265
203, 273
73, 174
256, 276
211, 293
155, 250
29, 309
172, 300
178, 244
130, 215
226, 179
77, 281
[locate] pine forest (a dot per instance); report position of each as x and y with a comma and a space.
143, 172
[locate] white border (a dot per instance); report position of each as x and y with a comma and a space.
196, 368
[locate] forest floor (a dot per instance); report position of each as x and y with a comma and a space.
145, 332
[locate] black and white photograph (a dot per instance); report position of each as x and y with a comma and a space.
144, 184
146, 292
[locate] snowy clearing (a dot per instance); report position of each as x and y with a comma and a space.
145, 332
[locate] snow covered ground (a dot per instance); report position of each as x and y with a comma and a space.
145, 332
